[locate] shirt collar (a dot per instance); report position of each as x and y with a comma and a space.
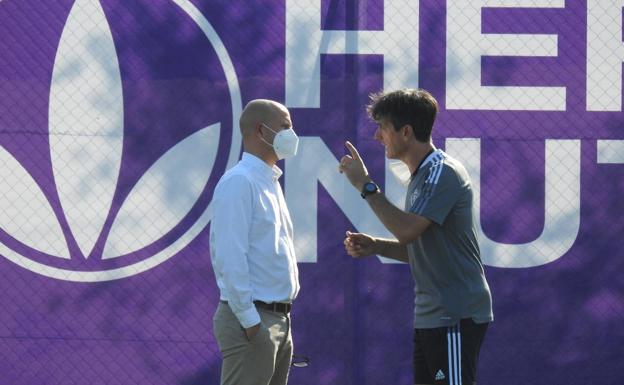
259, 165
430, 155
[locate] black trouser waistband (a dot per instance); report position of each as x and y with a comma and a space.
277, 307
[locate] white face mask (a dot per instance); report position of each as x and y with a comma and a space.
285, 143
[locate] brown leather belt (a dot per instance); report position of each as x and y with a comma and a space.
277, 307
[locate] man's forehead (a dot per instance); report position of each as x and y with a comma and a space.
383, 121
284, 117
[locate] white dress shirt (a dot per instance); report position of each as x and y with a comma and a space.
251, 239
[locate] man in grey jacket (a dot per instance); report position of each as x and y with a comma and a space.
435, 234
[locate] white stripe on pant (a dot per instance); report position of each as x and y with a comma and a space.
453, 336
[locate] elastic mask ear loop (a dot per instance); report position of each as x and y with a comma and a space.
262, 136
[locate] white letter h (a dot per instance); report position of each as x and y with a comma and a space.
306, 42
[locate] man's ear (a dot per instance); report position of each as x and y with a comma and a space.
407, 131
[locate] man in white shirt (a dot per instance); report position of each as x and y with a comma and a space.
252, 252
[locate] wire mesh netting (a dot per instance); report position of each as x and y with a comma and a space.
118, 118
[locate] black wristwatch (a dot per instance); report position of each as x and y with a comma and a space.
369, 188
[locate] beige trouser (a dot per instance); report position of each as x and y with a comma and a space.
265, 360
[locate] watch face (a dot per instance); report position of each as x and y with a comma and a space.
370, 187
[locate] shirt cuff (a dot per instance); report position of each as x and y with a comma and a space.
249, 317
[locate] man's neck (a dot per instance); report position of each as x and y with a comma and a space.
266, 156
416, 154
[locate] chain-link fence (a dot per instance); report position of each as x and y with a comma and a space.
118, 118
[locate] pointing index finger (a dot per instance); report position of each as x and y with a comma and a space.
354, 153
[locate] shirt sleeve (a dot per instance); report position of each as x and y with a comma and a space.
232, 205
439, 194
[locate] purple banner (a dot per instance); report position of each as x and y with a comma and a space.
117, 119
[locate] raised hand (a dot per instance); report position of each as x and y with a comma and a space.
353, 167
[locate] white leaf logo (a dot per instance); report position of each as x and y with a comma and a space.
86, 133
26, 213
165, 193
86, 121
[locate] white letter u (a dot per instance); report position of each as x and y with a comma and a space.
562, 204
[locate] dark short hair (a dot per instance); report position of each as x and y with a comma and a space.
415, 107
